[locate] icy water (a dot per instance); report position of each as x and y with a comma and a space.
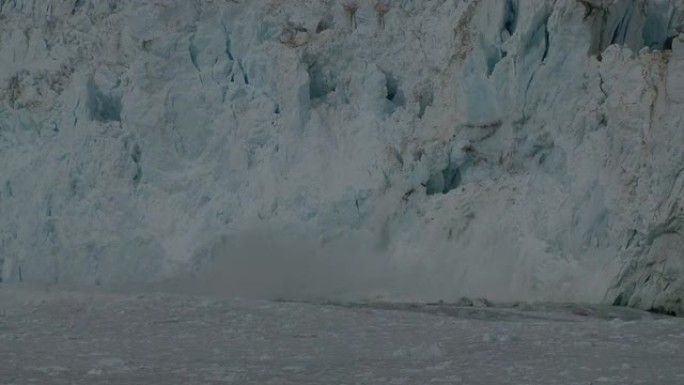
61, 337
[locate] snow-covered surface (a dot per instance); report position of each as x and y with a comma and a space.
61, 337
508, 149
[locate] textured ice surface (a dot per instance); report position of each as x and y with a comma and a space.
75, 338
506, 149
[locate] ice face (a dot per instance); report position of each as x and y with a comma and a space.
508, 149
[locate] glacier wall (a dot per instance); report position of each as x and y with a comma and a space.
510, 149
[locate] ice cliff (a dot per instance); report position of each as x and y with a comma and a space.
513, 149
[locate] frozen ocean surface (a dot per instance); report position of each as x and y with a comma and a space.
67, 337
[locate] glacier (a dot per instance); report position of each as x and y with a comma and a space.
514, 150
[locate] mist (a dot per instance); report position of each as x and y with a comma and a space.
268, 264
